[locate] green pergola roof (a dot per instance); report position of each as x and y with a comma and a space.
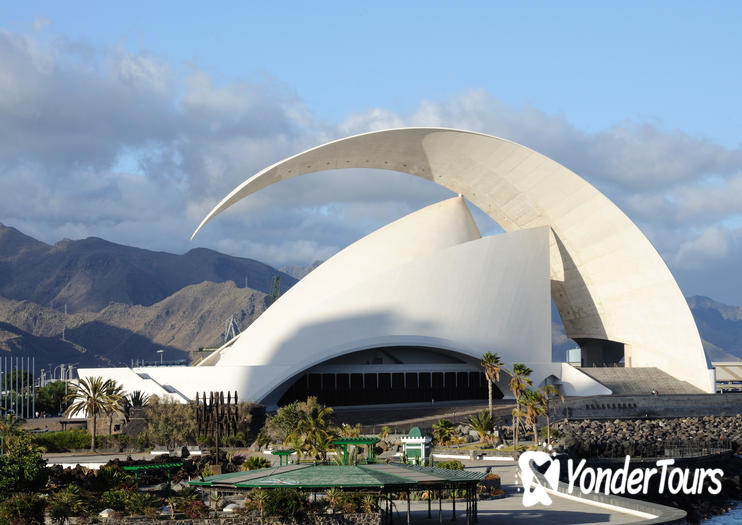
372, 440
150, 466
326, 476
341, 476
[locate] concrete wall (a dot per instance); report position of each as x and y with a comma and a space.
616, 407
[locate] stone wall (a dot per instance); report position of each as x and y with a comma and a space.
682, 405
137, 421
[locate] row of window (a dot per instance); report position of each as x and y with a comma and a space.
394, 387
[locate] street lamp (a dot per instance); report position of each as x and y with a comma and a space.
161, 351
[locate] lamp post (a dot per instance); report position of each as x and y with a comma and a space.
161, 351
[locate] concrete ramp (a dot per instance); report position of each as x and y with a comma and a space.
635, 381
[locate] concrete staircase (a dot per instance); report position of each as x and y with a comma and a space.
637, 381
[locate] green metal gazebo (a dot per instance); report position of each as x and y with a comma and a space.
364, 441
381, 478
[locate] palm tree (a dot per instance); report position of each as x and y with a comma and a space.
442, 431
546, 392
519, 382
349, 431
313, 432
257, 499
517, 414
116, 402
136, 399
492, 365
296, 443
534, 407
483, 423
324, 444
92, 396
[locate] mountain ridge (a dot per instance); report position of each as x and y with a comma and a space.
89, 274
125, 303
193, 317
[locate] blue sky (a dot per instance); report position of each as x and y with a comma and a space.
106, 107
674, 63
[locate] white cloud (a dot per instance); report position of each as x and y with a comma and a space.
40, 23
69, 114
711, 245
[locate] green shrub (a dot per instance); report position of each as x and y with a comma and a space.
63, 441
255, 463
129, 500
22, 467
65, 504
286, 503
110, 476
67, 440
22, 509
116, 498
189, 500
454, 464
349, 502
139, 502
117, 441
195, 509
236, 440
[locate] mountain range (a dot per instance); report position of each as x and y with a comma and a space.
92, 302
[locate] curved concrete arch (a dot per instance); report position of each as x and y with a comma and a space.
607, 280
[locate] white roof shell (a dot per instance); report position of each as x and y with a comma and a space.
428, 280
607, 280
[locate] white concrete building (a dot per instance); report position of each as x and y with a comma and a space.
406, 312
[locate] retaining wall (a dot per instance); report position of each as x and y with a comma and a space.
679, 405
